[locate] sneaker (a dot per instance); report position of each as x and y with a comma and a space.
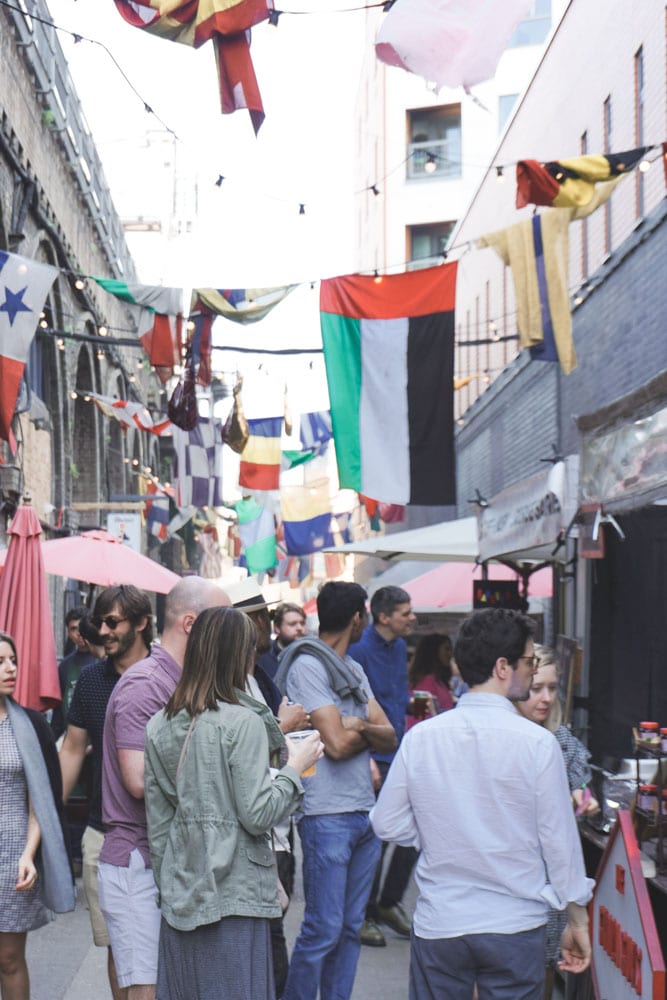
371, 935
395, 917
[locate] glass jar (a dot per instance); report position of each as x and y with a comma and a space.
649, 732
663, 740
646, 797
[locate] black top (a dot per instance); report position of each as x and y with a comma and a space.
268, 661
87, 711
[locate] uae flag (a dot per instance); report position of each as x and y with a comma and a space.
389, 355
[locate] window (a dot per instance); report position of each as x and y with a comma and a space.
639, 127
427, 242
434, 142
535, 26
506, 104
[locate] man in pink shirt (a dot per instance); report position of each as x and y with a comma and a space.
128, 895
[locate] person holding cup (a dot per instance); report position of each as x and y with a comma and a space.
211, 804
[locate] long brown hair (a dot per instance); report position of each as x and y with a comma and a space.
426, 659
219, 653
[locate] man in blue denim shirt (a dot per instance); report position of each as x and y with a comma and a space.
340, 852
382, 653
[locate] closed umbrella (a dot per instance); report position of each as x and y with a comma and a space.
101, 558
25, 613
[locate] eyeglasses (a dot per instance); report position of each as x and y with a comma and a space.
110, 621
532, 660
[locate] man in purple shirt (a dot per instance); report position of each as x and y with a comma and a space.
128, 895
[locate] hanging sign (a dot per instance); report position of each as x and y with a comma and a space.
627, 959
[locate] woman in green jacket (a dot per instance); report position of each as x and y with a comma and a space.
211, 804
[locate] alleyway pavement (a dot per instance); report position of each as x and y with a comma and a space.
65, 964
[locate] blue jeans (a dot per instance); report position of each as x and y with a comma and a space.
340, 854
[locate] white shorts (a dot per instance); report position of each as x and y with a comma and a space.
128, 900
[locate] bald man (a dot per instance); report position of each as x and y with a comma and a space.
126, 885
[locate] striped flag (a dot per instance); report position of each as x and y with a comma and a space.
157, 512
24, 285
160, 320
261, 457
258, 535
226, 23
306, 516
570, 183
240, 305
130, 414
389, 355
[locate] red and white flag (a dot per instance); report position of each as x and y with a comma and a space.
24, 285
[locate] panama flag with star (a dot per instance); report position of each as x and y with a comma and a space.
24, 285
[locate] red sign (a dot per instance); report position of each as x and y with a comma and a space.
627, 958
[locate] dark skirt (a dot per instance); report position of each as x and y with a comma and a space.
227, 960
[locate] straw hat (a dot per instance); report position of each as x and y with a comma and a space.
246, 595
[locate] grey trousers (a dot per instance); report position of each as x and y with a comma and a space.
504, 966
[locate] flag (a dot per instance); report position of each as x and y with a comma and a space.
448, 42
198, 465
241, 305
227, 24
537, 251
570, 183
389, 356
316, 430
160, 320
258, 535
157, 512
130, 414
306, 516
292, 459
24, 285
260, 459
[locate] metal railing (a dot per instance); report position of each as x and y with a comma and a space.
63, 114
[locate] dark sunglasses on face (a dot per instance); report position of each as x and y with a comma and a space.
110, 621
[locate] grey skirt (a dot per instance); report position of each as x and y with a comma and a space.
227, 960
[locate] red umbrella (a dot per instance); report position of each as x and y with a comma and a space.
25, 613
103, 559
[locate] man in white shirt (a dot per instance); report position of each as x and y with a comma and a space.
485, 798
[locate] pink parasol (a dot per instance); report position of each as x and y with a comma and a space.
25, 612
450, 585
101, 558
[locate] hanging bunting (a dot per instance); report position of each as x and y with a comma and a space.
241, 305
24, 285
224, 22
129, 414
160, 320
389, 355
570, 183
260, 459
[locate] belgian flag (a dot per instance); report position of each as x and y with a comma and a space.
570, 183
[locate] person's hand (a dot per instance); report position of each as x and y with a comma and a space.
302, 754
575, 946
353, 722
584, 803
292, 718
376, 777
27, 873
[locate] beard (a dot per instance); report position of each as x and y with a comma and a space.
123, 644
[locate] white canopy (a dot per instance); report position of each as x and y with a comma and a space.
449, 540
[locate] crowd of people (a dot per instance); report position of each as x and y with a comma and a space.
205, 751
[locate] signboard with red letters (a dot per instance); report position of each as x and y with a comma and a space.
627, 959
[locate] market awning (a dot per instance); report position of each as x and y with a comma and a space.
449, 540
451, 585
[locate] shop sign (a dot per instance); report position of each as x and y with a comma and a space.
127, 527
627, 959
530, 515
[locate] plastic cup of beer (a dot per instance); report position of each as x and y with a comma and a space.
420, 703
302, 734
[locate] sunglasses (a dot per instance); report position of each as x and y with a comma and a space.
110, 621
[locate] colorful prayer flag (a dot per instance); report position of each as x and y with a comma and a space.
570, 183
24, 285
260, 459
389, 355
241, 305
227, 24
198, 465
258, 535
306, 517
160, 320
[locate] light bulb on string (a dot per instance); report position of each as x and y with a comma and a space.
644, 166
431, 164
499, 175
377, 277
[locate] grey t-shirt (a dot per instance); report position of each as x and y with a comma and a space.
339, 786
